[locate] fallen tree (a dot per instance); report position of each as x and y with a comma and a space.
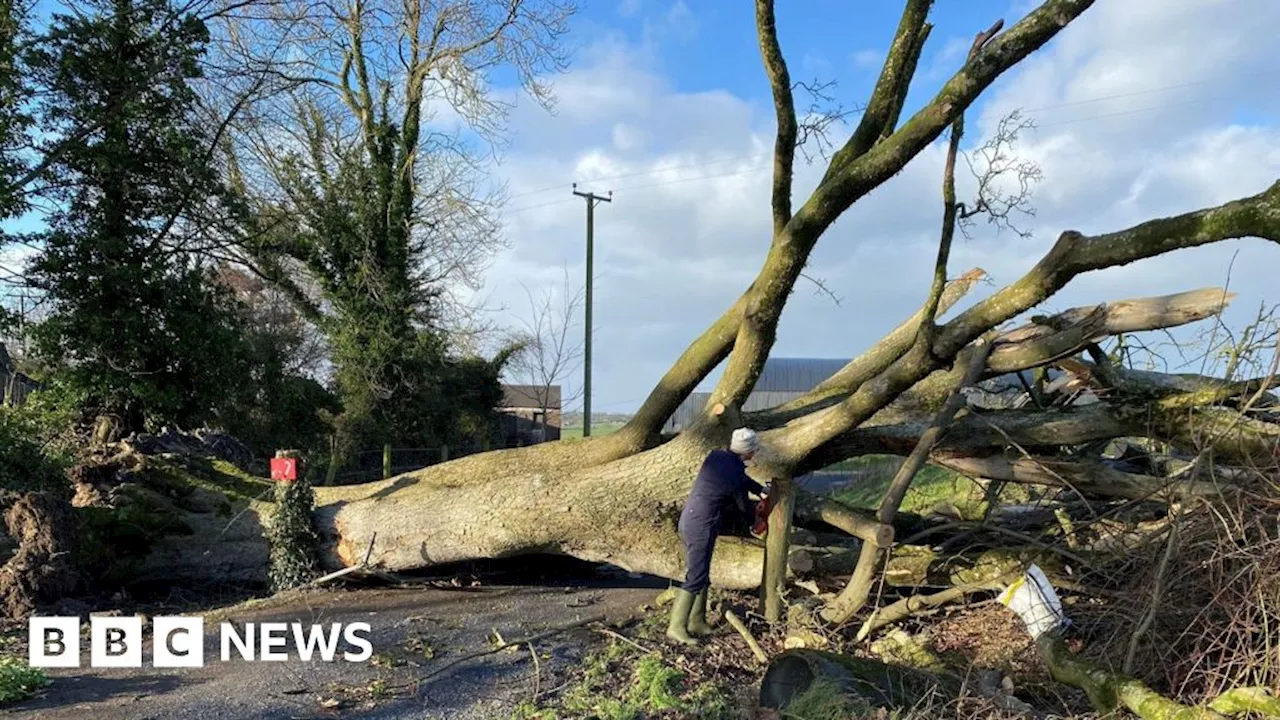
616, 498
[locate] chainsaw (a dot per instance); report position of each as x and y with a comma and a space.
761, 525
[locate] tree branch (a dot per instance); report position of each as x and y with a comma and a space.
790, 250
905, 77
694, 364
784, 148
967, 370
1074, 254
1088, 477
1257, 216
891, 87
851, 177
1068, 333
867, 365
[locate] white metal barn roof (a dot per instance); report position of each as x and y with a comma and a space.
782, 379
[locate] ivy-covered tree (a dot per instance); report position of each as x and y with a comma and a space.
138, 330
382, 209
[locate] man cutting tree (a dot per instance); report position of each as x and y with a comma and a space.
719, 500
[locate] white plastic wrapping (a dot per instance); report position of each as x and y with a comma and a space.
1034, 600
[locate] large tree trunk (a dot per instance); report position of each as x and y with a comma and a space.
539, 499
586, 499
616, 498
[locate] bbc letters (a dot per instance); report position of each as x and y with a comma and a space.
179, 641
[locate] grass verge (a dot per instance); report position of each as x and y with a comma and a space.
621, 682
573, 432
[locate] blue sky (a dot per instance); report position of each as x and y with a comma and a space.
830, 40
1144, 108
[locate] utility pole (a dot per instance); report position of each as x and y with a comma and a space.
22, 321
592, 200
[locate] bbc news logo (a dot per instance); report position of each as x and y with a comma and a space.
178, 641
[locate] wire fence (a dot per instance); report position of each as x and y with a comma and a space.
373, 465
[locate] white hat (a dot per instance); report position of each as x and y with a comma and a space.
745, 440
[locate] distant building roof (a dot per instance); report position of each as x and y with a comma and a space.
784, 379
796, 374
531, 396
14, 386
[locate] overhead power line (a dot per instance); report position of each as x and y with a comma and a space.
1168, 106
1118, 96
758, 155
767, 167
641, 173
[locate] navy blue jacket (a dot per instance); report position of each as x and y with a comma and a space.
719, 497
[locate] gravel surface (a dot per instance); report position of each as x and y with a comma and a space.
414, 631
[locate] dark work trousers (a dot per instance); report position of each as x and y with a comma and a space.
699, 537
718, 502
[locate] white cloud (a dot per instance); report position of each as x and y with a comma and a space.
628, 8
868, 59
629, 137
689, 224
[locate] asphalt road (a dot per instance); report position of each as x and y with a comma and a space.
414, 630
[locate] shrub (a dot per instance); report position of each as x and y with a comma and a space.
18, 681
25, 466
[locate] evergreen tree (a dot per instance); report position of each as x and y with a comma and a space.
14, 116
138, 329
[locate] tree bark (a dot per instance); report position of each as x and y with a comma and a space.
1083, 477
525, 500
871, 681
1109, 691
777, 545
854, 596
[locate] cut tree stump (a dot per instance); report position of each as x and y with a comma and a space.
870, 681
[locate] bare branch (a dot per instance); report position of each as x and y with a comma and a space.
991, 164
821, 287
824, 113
551, 350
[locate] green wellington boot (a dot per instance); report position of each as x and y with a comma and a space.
677, 629
698, 616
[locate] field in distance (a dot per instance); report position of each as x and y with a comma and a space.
597, 428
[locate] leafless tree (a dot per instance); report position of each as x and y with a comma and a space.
403, 86
551, 346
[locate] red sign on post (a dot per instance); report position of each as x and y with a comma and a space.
284, 469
